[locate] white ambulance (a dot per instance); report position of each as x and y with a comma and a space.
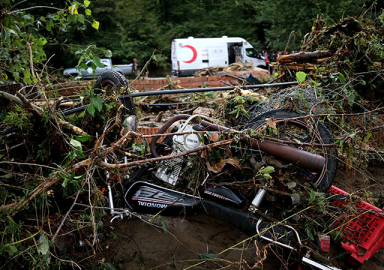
191, 54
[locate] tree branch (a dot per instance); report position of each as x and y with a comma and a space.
29, 8
18, 206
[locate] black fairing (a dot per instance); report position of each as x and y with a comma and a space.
149, 198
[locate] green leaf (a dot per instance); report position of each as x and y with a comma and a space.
50, 24
97, 102
8, 35
82, 138
73, 8
43, 246
341, 77
71, 18
211, 95
309, 232
336, 236
83, 66
312, 196
95, 25
315, 83
300, 76
164, 226
75, 143
267, 176
16, 75
297, 141
267, 170
98, 62
81, 18
27, 73
3, 51
88, 12
65, 182
12, 250
87, 3
208, 256
366, 138
91, 109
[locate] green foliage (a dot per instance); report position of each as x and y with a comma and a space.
96, 103
300, 76
17, 118
138, 148
336, 236
23, 36
311, 232
265, 172
71, 184
43, 246
239, 108
208, 256
282, 17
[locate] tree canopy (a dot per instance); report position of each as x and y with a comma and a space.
128, 29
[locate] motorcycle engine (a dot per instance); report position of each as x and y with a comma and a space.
169, 170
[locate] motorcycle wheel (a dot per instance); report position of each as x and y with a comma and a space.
111, 82
308, 130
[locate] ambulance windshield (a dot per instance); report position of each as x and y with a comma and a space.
251, 52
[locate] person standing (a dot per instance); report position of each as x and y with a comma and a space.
267, 60
136, 67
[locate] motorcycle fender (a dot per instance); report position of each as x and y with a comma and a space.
149, 198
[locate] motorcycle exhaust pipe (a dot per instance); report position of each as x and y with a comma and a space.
303, 159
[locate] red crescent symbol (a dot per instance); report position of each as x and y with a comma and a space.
194, 54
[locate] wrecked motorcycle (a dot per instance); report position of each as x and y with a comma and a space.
280, 156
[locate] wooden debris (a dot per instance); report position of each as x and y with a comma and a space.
302, 57
204, 111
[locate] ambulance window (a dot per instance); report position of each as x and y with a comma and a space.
251, 52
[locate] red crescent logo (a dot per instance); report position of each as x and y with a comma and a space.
194, 53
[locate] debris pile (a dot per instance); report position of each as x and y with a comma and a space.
238, 66
353, 49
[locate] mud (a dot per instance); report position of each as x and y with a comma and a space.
137, 244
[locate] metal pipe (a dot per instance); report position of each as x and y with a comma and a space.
186, 91
198, 90
304, 159
171, 92
111, 200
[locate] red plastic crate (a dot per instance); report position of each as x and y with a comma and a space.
363, 234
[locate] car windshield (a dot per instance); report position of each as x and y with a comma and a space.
251, 52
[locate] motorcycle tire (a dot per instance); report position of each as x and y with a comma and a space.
111, 80
316, 133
